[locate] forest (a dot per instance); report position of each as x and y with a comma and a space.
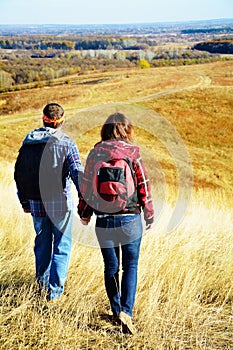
223, 46
37, 57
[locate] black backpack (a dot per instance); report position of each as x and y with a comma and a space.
37, 173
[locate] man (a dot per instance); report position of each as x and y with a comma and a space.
47, 164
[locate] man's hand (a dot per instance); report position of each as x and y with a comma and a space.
27, 210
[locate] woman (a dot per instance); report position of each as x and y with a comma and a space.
119, 230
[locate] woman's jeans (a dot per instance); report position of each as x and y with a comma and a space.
113, 232
52, 250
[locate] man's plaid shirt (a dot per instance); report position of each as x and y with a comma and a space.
143, 187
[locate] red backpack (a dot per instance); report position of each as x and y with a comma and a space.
114, 186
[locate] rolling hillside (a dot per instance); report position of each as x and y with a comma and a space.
183, 125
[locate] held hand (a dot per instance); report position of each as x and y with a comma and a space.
85, 221
27, 210
148, 227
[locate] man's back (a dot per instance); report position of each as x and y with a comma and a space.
47, 163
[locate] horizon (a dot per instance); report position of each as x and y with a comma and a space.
118, 23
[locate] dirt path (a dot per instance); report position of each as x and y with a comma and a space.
204, 82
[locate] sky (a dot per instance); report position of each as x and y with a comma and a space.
109, 12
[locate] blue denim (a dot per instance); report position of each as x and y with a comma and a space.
117, 234
52, 250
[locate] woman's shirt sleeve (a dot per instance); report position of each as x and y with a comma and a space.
144, 191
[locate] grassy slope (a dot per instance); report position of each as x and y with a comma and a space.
184, 298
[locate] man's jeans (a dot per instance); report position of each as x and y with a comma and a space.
113, 232
52, 249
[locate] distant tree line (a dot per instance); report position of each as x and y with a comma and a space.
76, 43
224, 46
207, 30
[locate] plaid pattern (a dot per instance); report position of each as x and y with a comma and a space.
114, 149
54, 208
63, 202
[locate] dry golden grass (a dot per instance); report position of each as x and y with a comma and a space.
203, 118
185, 291
184, 298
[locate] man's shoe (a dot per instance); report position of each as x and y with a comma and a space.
126, 323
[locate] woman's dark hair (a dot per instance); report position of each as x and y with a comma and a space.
54, 112
117, 126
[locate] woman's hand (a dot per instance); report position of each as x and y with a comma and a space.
148, 227
85, 221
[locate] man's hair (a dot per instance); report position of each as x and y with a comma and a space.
54, 112
117, 126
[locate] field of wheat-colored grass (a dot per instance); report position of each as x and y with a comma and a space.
185, 290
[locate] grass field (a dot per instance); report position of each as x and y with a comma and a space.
182, 116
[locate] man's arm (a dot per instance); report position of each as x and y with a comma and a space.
75, 166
